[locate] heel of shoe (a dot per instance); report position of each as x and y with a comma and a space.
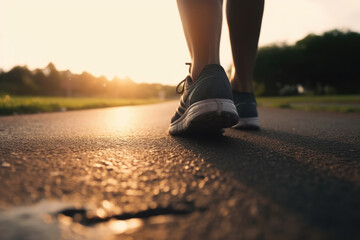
248, 124
206, 116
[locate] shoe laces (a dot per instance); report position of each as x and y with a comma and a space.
182, 86
182, 83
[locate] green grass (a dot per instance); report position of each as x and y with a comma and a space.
10, 105
341, 103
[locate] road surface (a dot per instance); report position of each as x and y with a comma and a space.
115, 173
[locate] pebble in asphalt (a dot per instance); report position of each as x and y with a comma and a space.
116, 174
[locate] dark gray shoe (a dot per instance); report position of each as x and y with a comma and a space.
206, 105
246, 108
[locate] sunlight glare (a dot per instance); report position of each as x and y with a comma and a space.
140, 39
121, 226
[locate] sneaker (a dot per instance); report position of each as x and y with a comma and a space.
206, 105
246, 108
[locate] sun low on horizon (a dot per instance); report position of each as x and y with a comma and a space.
142, 40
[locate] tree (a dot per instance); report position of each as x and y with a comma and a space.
18, 81
332, 60
319, 63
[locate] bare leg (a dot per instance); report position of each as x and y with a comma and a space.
201, 20
244, 20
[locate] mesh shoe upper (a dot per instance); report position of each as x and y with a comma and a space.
212, 83
245, 104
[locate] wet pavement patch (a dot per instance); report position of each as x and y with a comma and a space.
55, 220
81, 216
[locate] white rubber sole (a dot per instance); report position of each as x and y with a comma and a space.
206, 116
248, 124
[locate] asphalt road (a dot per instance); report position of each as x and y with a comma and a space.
115, 173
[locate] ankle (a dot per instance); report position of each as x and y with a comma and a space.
197, 67
244, 88
243, 84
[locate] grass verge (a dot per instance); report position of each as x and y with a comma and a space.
20, 105
341, 103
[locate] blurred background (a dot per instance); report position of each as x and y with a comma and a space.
136, 49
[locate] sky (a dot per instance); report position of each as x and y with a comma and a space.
141, 39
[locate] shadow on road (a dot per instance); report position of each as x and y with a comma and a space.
346, 151
303, 182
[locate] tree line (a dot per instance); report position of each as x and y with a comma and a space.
51, 82
317, 64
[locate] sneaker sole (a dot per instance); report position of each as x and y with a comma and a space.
207, 116
248, 124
